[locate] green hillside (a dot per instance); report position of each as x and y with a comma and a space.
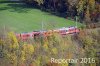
22, 18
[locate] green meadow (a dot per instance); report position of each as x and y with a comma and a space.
20, 17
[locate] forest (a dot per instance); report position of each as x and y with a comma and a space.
86, 10
38, 50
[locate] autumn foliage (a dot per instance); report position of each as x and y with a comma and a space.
38, 53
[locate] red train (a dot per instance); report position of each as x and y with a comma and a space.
61, 31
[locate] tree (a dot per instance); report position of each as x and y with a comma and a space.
39, 2
92, 4
87, 17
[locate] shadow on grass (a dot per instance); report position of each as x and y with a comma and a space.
17, 7
25, 8
10, 2
20, 7
3, 8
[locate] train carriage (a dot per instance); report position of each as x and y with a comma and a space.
36, 34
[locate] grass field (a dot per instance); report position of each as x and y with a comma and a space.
22, 18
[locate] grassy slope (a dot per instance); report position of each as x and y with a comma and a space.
22, 18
